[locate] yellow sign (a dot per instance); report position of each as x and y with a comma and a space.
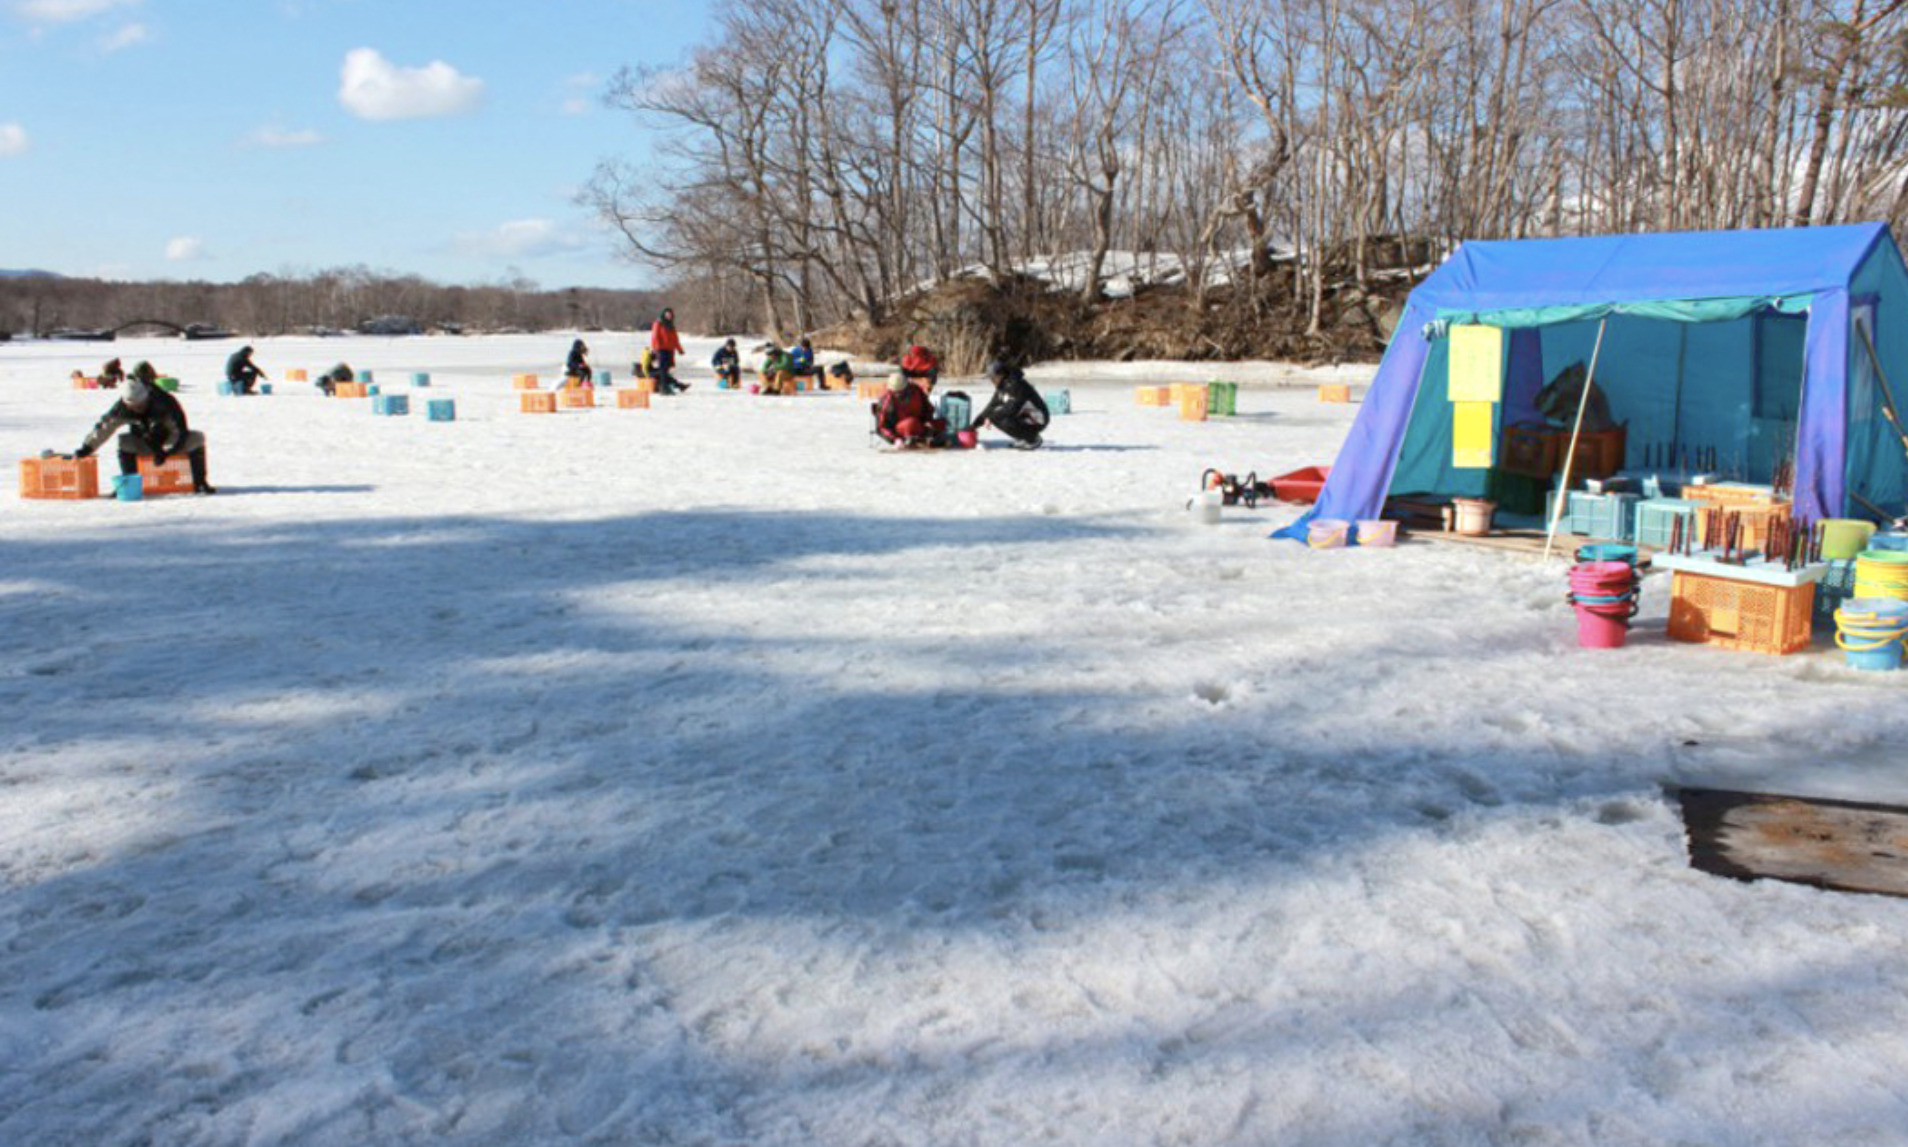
1477, 364
1473, 435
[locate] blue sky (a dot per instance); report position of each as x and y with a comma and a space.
215, 139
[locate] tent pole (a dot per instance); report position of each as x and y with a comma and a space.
1576, 432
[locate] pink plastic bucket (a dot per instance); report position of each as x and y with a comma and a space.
967, 438
1597, 629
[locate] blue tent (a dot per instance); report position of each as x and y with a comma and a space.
1751, 346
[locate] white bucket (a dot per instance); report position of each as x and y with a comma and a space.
1377, 532
1208, 505
1327, 533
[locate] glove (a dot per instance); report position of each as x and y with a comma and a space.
84, 451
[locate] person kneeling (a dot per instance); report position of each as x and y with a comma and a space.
904, 417
155, 424
1016, 410
328, 381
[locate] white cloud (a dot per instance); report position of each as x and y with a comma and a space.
13, 139
272, 135
185, 249
374, 88
521, 239
581, 93
65, 11
126, 37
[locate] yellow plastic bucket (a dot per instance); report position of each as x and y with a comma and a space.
1843, 538
1881, 573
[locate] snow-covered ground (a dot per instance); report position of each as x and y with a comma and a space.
702, 775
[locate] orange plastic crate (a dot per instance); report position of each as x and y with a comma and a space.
81, 382
59, 478
627, 399
1335, 392
539, 401
576, 398
646, 385
351, 390
1154, 395
1755, 524
524, 382
1743, 615
1192, 403
175, 477
297, 376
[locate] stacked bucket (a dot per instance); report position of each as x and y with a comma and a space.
1872, 624
1603, 591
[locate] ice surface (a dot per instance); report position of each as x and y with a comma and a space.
703, 775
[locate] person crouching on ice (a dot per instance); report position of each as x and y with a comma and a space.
576, 371
905, 417
328, 381
1016, 410
155, 424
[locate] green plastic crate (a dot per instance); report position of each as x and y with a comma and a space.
1222, 398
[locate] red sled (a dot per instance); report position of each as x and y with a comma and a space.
1301, 486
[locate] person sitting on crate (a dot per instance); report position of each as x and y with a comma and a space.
778, 376
328, 381
242, 372
666, 345
904, 417
155, 424
840, 376
921, 367
111, 375
801, 359
576, 372
1016, 410
727, 364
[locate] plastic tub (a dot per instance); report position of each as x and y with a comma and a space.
968, 439
1870, 631
1380, 532
1327, 533
1301, 485
129, 487
1473, 516
1843, 538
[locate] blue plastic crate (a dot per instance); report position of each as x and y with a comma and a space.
226, 387
391, 404
1608, 516
603, 377
1058, 401
957, 411
441, 410
419, 378
362, 376
1655, 520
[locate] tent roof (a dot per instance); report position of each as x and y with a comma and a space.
1485, 275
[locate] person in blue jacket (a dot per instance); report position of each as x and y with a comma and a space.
801, 358
727, 363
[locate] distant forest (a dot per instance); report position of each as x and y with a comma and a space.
826, 158
344, 299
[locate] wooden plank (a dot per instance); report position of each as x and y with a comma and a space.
1848, 846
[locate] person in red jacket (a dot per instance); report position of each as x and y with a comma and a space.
905, 416
921, 368
664, 345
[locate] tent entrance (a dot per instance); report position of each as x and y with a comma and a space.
1717, 396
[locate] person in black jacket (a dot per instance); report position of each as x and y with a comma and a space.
328, 381
1016, 410
578, 367
727, 363
155, 424
242, 372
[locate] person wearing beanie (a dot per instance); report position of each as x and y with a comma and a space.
665, 344
242, 372
727, 364
155, 424
904, 417
1016, 410
111, 375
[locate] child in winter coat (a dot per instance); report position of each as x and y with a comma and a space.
904, 417
1016, 410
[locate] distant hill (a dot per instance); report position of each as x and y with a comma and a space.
5, 274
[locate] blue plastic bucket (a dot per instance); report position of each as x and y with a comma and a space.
419, 378
362, 376
1894, 543
129, 487
1869, 631
602, 378
264, 388
1607, 552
